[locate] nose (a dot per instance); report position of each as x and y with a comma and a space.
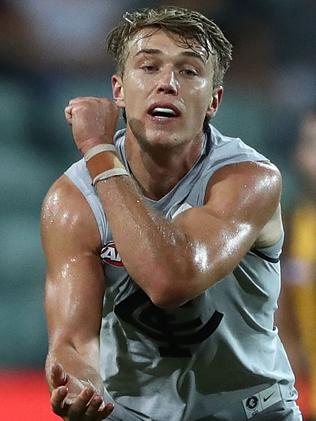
167, 82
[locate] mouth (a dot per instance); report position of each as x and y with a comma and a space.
163, 112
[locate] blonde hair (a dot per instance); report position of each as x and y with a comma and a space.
191, 26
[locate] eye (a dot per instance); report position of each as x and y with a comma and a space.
189, 72
149, 68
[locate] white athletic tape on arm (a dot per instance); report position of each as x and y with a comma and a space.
109, 173
103, 162
97, 149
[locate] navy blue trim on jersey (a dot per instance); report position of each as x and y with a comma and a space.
265, 257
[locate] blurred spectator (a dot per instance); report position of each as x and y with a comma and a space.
67, 35
298, 307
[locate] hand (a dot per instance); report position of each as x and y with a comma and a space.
93, 121
76, 400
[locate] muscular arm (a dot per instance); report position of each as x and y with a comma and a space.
175, 261
74, 292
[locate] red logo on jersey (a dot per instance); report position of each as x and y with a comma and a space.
110, 255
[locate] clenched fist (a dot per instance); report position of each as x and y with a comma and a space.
93, 121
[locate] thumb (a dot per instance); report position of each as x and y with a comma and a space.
58, 375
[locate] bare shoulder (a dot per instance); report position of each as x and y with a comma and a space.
66, 215
246, 178
257, 176
250, 190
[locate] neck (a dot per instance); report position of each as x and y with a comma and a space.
158, 169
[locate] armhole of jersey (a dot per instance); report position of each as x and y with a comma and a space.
265, 256
270, 253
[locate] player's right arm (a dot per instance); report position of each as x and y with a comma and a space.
73, 302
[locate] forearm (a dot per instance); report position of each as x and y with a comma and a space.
172, 261
154, 251
82, 365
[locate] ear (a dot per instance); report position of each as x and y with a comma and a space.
216, 99
118, 91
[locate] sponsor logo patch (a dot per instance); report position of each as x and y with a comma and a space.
261, 401
252, 402
110, 255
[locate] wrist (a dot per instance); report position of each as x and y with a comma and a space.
103, 162
94, 141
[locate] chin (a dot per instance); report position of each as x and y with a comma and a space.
164, 138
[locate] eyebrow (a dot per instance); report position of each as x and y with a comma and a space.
192, 54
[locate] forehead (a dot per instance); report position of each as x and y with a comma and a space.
165, 41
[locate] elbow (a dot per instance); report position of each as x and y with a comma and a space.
167, 301
169, 285
171, 292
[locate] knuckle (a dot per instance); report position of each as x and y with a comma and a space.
106, 102
80, 108
96, 402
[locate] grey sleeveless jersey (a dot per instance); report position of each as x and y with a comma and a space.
219, 356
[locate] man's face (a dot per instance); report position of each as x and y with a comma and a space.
166, 89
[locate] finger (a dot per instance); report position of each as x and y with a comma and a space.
58, 375
68, 110
94, 405
79, 404
105, 411
68, 114
57, 399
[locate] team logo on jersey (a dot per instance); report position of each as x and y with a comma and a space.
261, 401
175, 338
110, 255
252, 402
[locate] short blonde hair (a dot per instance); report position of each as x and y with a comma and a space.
191, 26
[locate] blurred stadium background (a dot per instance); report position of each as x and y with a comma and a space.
53, 50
